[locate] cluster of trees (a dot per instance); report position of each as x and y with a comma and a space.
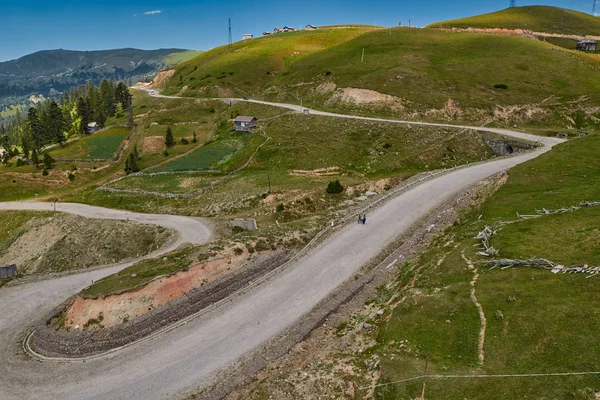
48, 122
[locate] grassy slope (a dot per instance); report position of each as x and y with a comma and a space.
534, 18
252, 63
434, 65
178, 58
542, 326
437, 65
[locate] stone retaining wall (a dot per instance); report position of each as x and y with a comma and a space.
51, 342
505, 147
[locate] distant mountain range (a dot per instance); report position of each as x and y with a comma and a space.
51, 71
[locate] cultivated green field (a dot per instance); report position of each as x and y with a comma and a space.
533, 18
101, 146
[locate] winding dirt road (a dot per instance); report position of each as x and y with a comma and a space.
186, 358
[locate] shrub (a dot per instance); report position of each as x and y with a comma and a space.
499, 315
48, 161
327, 73
21, 162
71, 177
280, 208
387, 146
250, 248
166, 153
45, 172
238, 251
184, 141
501, 86
261, 245
335, 187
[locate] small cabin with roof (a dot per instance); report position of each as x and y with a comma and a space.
93, 127
310, 27
587, 45
8, 271
245, 123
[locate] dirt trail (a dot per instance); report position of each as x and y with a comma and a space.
480, 352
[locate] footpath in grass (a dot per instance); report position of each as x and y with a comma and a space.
99, 146
537, 322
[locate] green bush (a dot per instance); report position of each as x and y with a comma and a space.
501, 86
45, 172
184, 141
71, 177
280, 208
335, 187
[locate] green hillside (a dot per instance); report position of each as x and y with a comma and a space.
423, 68
534, 18
250, 64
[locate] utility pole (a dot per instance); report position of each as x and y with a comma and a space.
269, 177
230, 37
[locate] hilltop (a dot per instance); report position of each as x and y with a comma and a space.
532, 18
250, 64
408, 73
47, 71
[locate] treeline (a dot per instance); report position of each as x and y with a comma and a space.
49, 122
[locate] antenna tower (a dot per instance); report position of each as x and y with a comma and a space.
594, 9
230, 37
512, 3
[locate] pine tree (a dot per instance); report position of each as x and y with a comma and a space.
84, 112
48, 161
194, 140
169, 140
107, 98
35, 128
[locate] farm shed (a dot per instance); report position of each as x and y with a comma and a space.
245, 124
587, 45
8, 271
310, 27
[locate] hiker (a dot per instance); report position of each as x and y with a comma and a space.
359, 218
364, 219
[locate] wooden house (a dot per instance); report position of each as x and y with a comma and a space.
310, 27
587, 45
245, 124
8, 271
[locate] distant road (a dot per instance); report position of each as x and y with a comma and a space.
170, 366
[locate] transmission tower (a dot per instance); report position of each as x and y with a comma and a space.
594, 9
230, 37
512, 3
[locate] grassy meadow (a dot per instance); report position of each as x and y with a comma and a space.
533, 18
536, 321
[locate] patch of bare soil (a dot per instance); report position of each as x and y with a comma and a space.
326, 88
161, 78
329, 171
153, 144
366, 96
69, 242
119, 308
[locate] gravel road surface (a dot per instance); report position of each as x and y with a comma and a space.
181, 360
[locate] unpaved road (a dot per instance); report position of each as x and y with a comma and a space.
171, 365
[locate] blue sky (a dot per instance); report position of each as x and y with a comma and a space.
32, 25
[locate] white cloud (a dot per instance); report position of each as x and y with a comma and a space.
153, 12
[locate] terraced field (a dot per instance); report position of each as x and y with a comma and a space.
99, 146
